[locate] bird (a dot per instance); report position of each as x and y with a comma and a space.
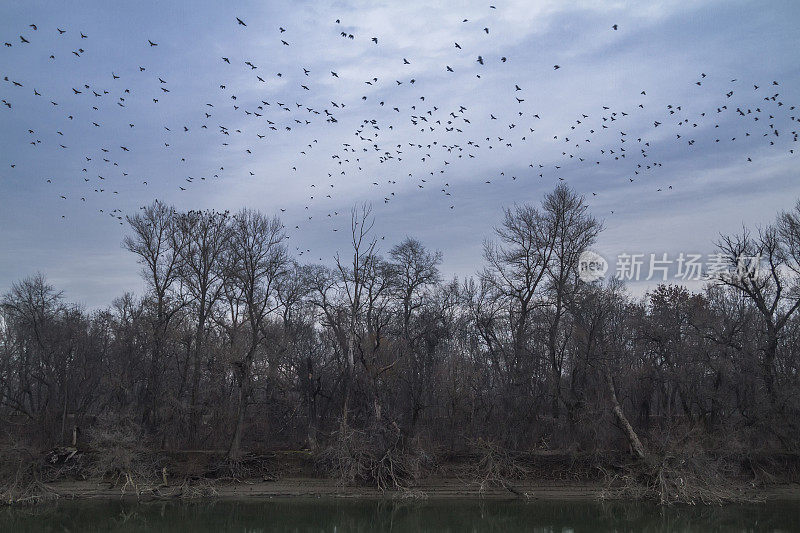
152, 43
240, 21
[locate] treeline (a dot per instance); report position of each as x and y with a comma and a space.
237, 346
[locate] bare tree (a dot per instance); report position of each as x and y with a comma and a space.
259, 260
356, 359
765, 267
517, 270
203, 274
416, 268
157, 242
353, 277
596, 311
31, 309
297, 342
378, 280
574, 230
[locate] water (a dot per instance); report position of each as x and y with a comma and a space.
326, 515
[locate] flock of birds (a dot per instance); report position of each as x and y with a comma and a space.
387, 132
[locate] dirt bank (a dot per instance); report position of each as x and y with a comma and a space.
436, 488
198, 475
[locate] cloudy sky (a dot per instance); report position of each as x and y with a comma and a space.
666, 171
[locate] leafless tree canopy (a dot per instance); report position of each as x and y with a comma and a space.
237, 347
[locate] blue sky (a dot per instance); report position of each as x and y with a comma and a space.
662, 48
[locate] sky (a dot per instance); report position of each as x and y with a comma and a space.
436, 141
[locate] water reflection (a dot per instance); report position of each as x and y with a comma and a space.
326, 515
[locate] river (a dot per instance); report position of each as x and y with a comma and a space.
329, 515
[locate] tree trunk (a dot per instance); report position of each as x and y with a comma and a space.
348, 383
633, 438
244, 389
311, 404
768, 362
552, 341
194, 413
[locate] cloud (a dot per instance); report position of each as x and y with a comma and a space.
660, 47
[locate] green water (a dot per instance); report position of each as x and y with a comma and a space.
325, 515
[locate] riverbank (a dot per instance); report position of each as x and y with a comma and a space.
66, 473
303, 487
329, 488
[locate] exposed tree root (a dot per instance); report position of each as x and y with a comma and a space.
381, 458
22, 480
680, 479
493, 466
